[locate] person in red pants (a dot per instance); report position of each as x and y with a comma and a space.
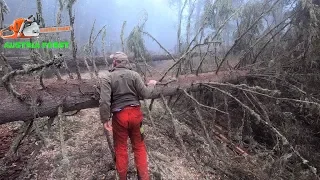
120, 92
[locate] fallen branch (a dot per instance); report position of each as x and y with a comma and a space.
272, 128
6, 79
23, 132
199, 104
154, 39
175, 128
65, 160
213, 148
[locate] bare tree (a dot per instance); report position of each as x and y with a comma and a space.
47, 52
70, 4
58, 22
4, 9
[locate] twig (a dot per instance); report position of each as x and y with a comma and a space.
226, 106
175, 128
262, 107
64, 152
149, 113
6, 79
183, 57
23, 132
254, 89
202, 105
154, 39
213, 148
99, 32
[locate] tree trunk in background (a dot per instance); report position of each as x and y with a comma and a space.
103, 41
48, 53
191, 8
198, 17
58, 22
74, 46
1, 27
178, 50
18, 62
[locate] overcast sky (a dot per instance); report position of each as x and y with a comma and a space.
161, 22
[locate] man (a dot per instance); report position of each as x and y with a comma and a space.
121, 90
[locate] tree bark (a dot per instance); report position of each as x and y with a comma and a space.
75, 95
58, 22
73, 41
47, 52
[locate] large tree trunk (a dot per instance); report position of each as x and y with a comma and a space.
75, 95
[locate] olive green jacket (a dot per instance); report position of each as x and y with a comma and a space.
119, 88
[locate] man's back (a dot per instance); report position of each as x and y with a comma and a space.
121, 90
123, 87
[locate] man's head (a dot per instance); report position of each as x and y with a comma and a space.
119, 58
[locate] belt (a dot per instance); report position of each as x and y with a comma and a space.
132, 106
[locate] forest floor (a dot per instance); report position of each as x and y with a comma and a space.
87, 152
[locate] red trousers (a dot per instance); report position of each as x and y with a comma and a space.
127, 123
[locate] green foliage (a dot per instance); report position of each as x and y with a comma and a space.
135, 41
246, 19
216, 13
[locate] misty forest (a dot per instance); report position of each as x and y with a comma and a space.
236, 99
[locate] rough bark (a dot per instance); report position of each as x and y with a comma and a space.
75, 95
74, 45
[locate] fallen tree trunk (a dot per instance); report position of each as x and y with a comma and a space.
74, 95
18, 62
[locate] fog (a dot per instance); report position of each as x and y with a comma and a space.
162, 19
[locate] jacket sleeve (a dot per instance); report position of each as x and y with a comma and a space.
142, 90
105, 97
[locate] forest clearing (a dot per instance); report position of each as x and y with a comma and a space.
237, 98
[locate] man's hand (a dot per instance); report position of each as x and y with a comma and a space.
152, 82
108, 126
